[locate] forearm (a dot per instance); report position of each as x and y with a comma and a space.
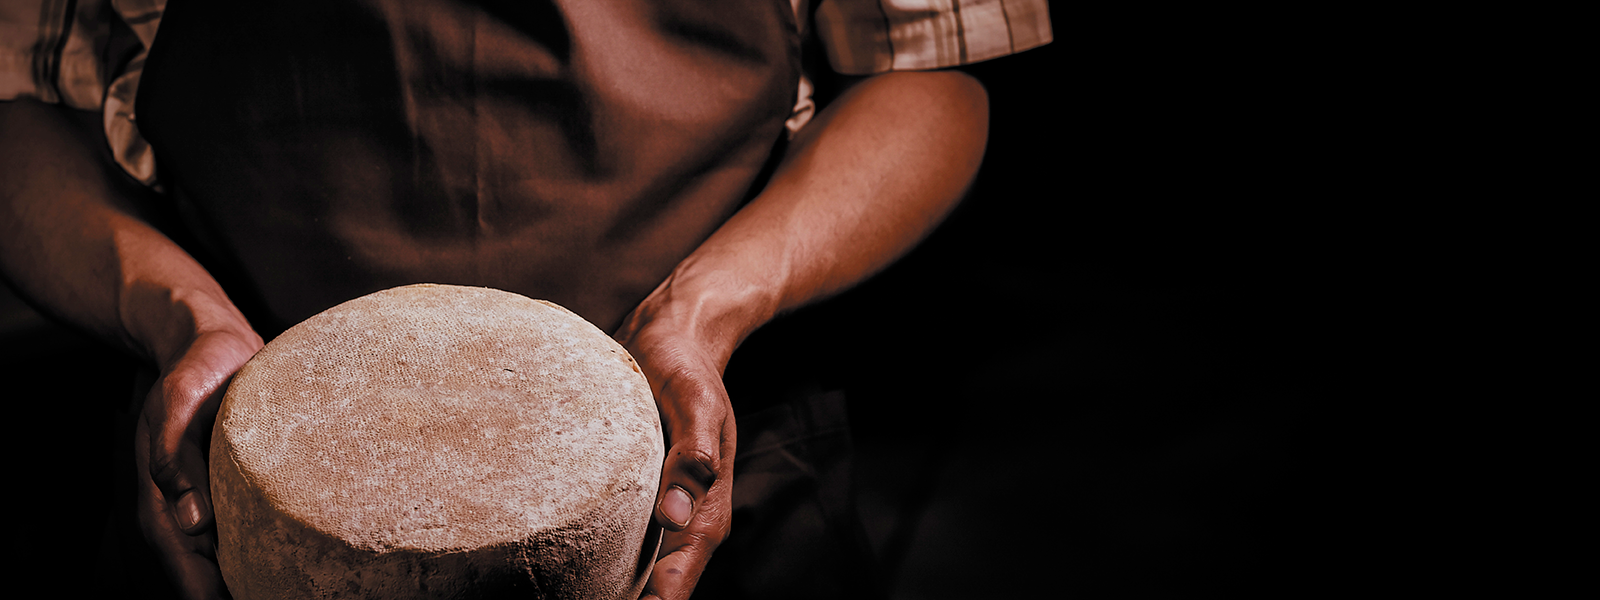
73, 241
876, 171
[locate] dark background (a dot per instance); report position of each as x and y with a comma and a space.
1118, 370
1141, 360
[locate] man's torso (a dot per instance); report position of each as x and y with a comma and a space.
568, 151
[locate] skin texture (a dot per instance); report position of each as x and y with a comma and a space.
873, 173
76, 244
859, 187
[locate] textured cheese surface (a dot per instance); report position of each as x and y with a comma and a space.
437, 442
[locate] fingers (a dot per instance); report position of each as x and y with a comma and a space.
190, 560
169, 451
179, 412
181, 475
676, 575
684, 554
694, 501
700, 430
686, 481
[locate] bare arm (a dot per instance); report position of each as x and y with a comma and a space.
879, 168
873, 175
73, 241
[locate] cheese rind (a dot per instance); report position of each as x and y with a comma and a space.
437, 442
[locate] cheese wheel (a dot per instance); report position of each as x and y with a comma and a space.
436, 441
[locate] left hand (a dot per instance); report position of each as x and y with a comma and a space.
695, 500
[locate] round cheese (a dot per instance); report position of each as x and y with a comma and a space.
436, 441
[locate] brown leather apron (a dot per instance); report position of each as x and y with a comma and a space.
572, 150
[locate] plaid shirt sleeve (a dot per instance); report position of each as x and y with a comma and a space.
67, 52
867, 37
863, 37
75, 53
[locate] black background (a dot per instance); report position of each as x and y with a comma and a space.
1146, 357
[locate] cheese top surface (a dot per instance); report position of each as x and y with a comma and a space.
440, 418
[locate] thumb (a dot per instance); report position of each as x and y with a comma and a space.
698, 427
179, 412
686, 480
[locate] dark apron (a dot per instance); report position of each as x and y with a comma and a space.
569, 151
572, 151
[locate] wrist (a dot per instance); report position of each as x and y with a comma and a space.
164, 321
713, 309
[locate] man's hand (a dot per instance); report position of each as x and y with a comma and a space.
871, 175
695, 499
74, 239
174, 430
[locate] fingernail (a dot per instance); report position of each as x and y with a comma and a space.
189, 510
678, 506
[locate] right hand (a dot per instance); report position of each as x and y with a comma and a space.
174, 429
